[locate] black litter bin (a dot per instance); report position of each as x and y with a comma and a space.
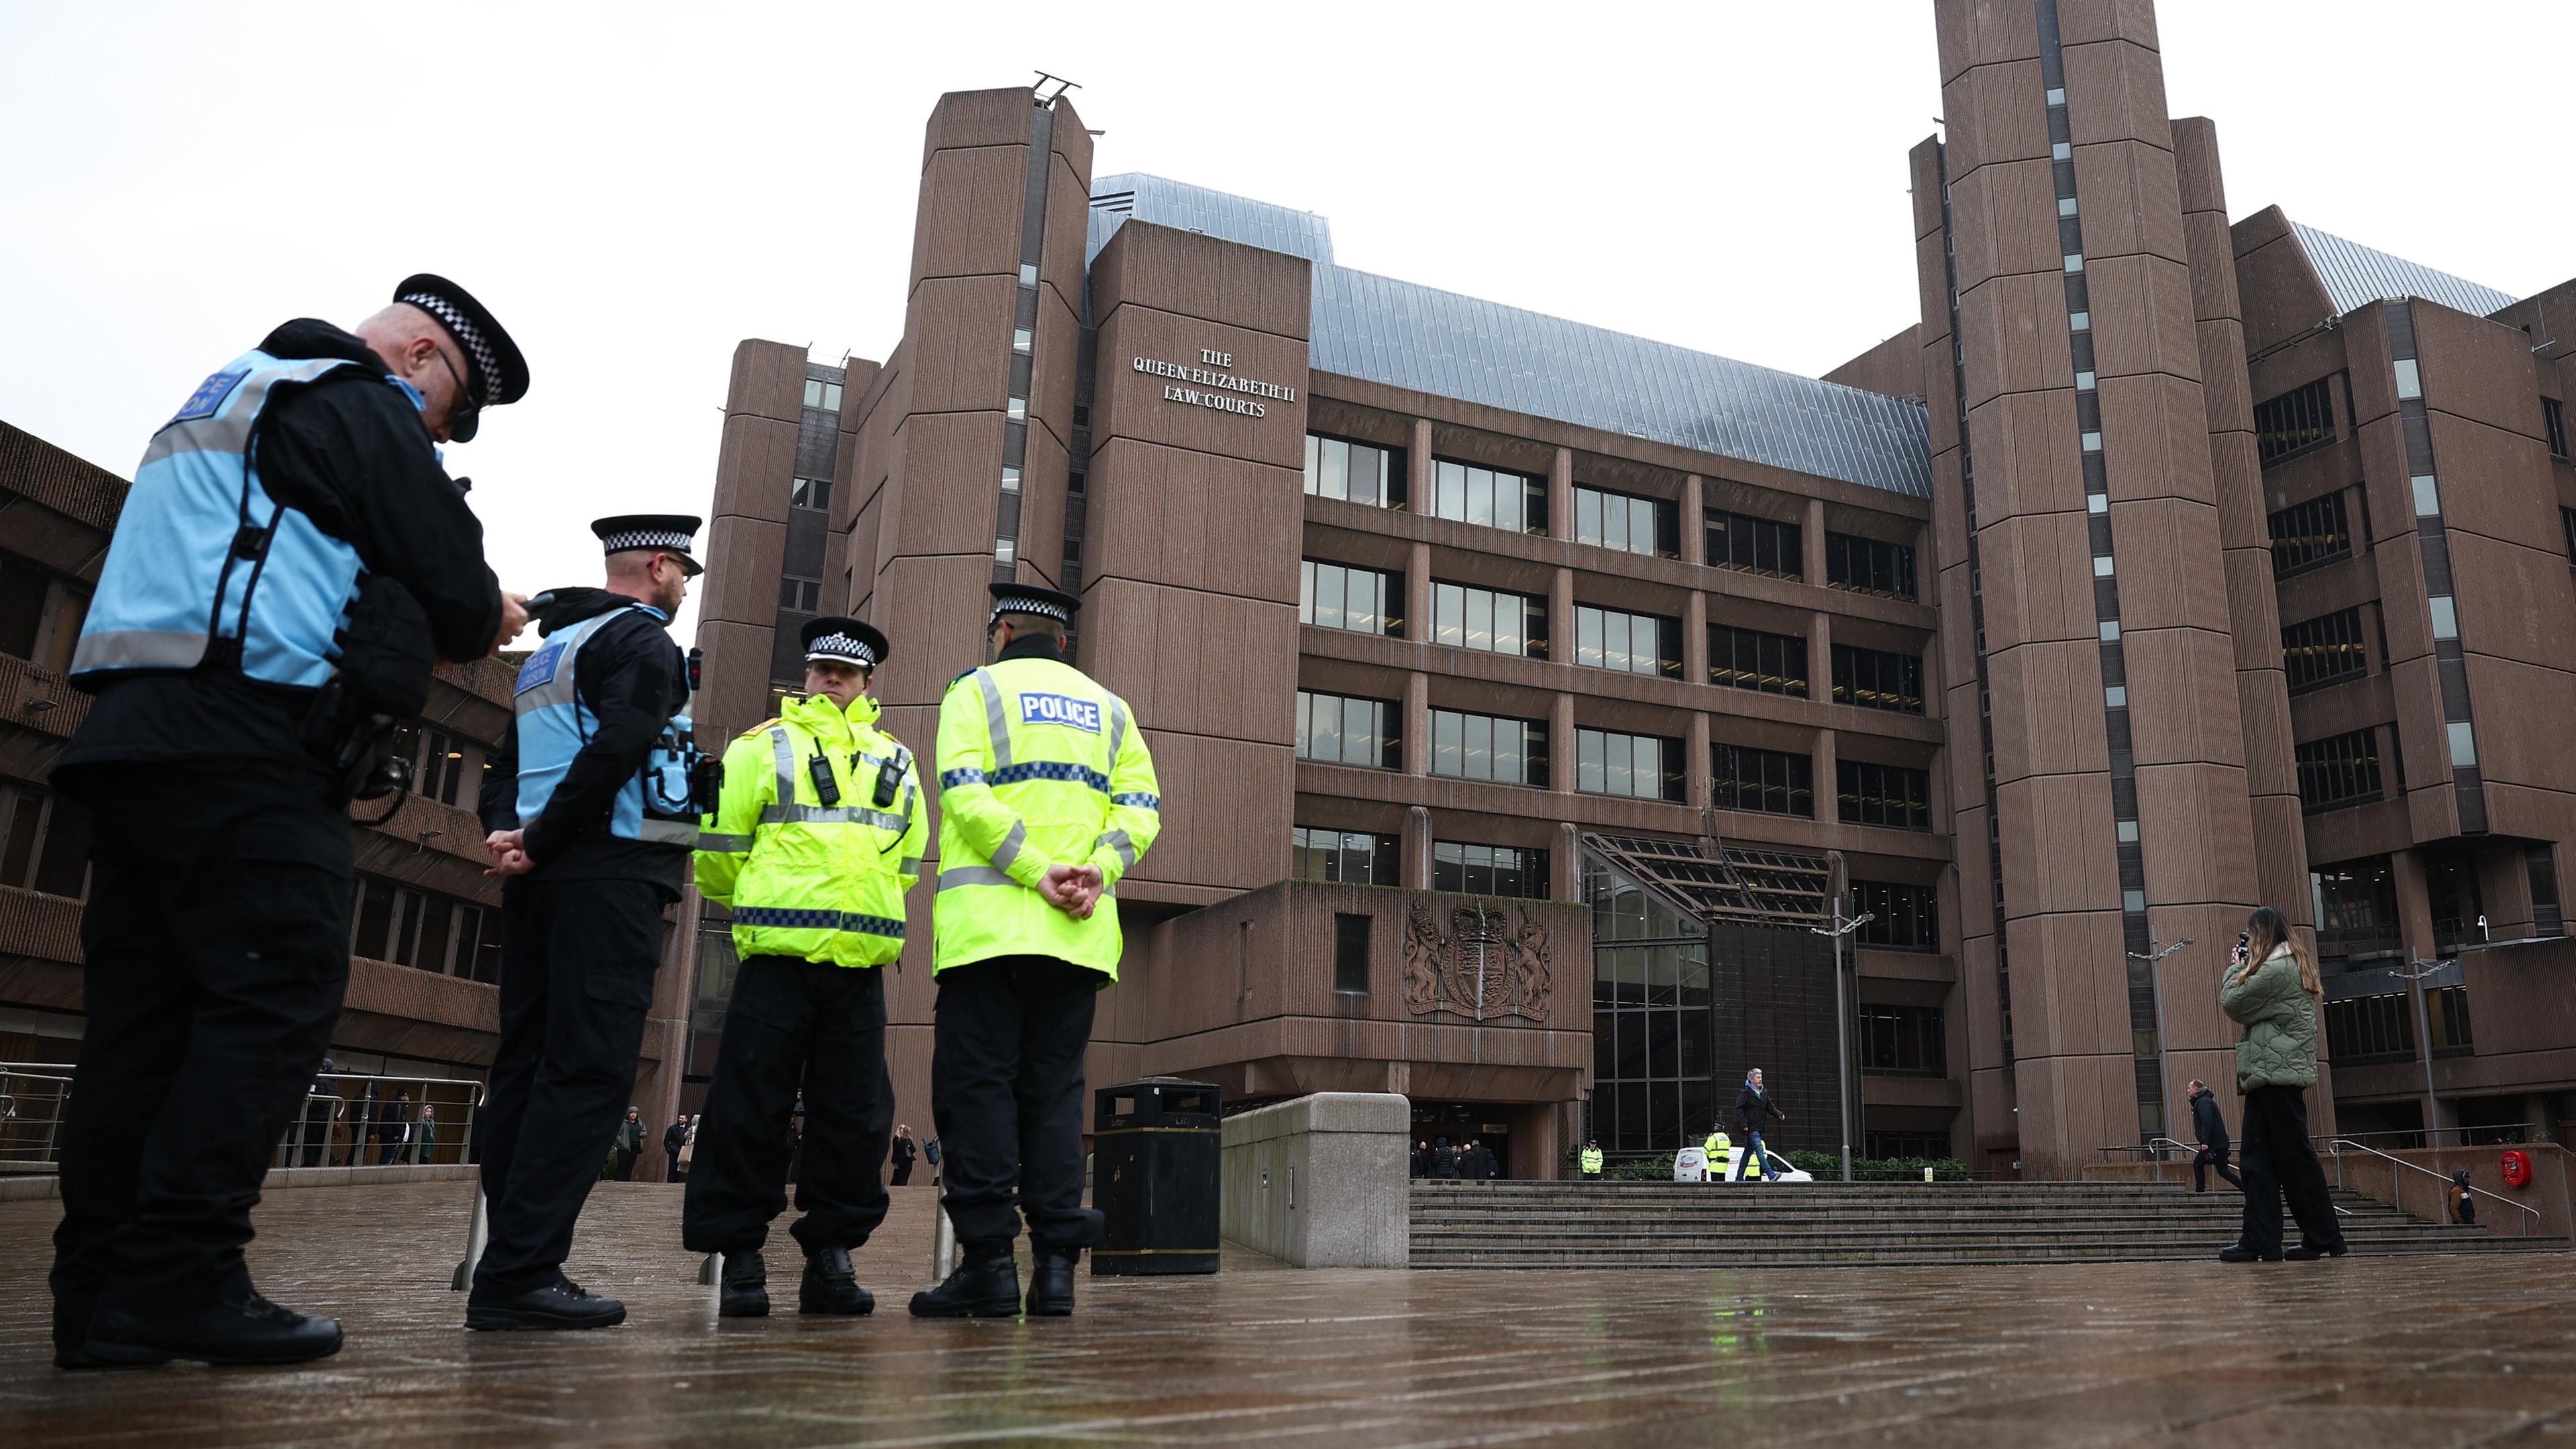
1156, 1146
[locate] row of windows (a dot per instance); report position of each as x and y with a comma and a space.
1359, 472
1488, 620
1628, 643
1756, 545
1626, 522
1878, 679
1337, 596
1902, 917
821, 394
1752, 659
1348, 857
40, 614
1869, 566
438, 760
416, 928
1488, 747
1345, 730
2310, 533
1643, 767
2320, 651
2340, 770
1489, 870
2384, 1025
1491, 497
2294, 422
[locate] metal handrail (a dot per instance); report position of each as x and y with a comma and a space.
2398, 1191
297, 1140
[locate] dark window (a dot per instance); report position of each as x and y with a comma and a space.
1347, 857
1359, 472
1646, 767
1339, 596
22, 608
437, 760
1893, 795
1342, 730
1489, 747
1903, 1041
801, 596
1929, 1146
1878, 679
2310, 533
1755, 545
2567, 526
1351, 953
2356, 909
1752, 659
1466, 617
1628, 643
2446, 1016
1488, 870
811, 493
821, 394
1869, 566
2540, 864
2294, 422
2339, 771
44, 841
2370, 1026
1773, 782
478, 944
1902, 917
2553, 421
1492, 497
1626, 522
2320, 651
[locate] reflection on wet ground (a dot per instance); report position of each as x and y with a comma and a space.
2415, 1351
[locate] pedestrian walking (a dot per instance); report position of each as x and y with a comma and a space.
628, 1145
2272, 990
291, 563
1754, 1108
428, 1133
393, 1127
592, 812
1444, 1159
674, 1137
2211, 1130
905, 1150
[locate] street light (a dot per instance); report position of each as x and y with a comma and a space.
2155, 960
1842, 1018
2415, 980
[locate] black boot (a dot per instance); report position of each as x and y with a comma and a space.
746, 1287
1051, 1283
559, 1304
242, 1331
986, 1285
2239, 1253
832, 1286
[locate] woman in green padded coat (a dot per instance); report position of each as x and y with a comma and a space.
2271, 989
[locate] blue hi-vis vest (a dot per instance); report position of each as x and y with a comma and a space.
206, 568
555, 722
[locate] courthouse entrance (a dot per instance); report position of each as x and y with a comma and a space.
1462, 1122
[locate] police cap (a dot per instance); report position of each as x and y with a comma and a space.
670, 532
850, 641
1016, 598
495, 371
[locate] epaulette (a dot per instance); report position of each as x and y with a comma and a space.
764, 727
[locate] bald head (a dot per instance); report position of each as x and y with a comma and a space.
420, 352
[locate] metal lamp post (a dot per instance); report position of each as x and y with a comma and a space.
2414, 973
1842, 1017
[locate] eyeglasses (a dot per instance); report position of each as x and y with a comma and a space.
464, 408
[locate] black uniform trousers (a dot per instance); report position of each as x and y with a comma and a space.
2280, 1161
1006, 1090
793, 1023
217, 936
577, 964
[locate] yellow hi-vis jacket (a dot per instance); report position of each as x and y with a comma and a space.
1590, 1160
806, 880
1038, 766
1721, 1157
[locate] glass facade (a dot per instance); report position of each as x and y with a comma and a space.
1491, 497
1878, 679
1756, 545
1357, 472
1340, 596
1645, 767
1626, 522
1343, 730
1773, 782
1347, 857
1752, 659
1891, 795
1652, 1033
1489, 747
1628, 643
1488, 870
1464, 616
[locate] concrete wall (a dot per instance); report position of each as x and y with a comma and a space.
1320, 1182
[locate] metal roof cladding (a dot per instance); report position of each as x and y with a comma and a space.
2356, 276
1411, 336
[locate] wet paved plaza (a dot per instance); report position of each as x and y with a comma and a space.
2417, 1351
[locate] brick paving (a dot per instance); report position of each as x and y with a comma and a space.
2416, 1351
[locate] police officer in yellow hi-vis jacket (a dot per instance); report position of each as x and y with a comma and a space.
816, 836
1047, 797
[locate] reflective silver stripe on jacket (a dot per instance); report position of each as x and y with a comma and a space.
670, 832
974, 875
909, 865
786, 754
1117, 730
995, 721
229, 430
710, 841
830, 815
140, 649
1009, 849
1121, 842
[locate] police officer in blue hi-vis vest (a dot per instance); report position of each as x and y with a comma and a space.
290, 563
1047, 798
593, 809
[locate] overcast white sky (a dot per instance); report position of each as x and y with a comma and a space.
634, 188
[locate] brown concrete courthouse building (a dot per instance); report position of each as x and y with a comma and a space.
1525, 693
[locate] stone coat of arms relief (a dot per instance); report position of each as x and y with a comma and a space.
1479, 961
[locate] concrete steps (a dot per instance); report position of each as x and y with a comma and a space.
1693, 1225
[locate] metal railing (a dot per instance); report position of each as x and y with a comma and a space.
2507, 1134
2397, 1182
361, 1123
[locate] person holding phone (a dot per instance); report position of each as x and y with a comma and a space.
2271, 989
